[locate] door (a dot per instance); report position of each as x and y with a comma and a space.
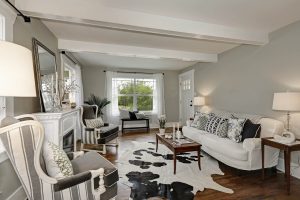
186, 95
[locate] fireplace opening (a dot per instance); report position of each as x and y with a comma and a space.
68, 141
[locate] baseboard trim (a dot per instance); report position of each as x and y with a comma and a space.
295, 168
18, 194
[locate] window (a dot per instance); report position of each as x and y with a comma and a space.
69, 78
186, 84
135, 93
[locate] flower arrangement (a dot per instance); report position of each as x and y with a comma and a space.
162, 121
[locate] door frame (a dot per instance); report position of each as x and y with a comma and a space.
191, 73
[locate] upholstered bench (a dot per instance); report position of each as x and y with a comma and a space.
136, 127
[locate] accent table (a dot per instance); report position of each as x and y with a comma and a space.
287, 148
179, 148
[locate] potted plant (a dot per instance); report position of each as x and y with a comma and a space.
162, 124
100, 102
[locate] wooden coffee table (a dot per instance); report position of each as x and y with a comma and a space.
179, 148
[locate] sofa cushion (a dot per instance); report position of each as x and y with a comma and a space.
251, 130
217, 125
225, 146
200, 120
235, 128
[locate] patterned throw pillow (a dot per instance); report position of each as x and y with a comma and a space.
217, 125
94, 123
200, 120
195, 121
57, 162
235, 128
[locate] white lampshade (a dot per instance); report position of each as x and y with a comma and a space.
286, 101
199, 101
16, 71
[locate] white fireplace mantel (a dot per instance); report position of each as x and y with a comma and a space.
58, 124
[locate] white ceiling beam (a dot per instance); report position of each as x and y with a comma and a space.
92, 12
133, 51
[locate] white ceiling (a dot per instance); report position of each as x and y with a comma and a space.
97, 59
196, 29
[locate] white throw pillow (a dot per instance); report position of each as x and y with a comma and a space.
57, 163
94, 123
140, 115
124, 114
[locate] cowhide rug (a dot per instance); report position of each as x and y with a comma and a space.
150, 174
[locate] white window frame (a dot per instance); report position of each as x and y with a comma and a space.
72, 76
135, 95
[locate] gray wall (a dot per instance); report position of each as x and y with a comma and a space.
23, 34
245, 78
94, 82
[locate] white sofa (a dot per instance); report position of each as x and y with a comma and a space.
245, 155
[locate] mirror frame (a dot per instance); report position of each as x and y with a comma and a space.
36, 62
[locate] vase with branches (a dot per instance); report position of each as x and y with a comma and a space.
100, 102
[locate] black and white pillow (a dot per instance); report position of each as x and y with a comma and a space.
200, 120
94, 123
235, 128
251, 130
217, 125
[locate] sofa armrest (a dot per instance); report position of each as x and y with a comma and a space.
250, 144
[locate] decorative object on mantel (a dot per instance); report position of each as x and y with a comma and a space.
162, 124
287, 101
66, 89
16, 71
100, 102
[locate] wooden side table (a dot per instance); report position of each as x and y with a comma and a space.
288, 149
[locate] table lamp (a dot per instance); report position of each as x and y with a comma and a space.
286, 101
16, 71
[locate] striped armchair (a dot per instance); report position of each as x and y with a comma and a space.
23, 140
104, 136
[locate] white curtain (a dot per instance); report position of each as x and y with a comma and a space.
111, 94
78, 80
112, 110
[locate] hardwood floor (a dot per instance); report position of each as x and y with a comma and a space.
246, 185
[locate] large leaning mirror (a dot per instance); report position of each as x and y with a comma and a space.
47, 78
